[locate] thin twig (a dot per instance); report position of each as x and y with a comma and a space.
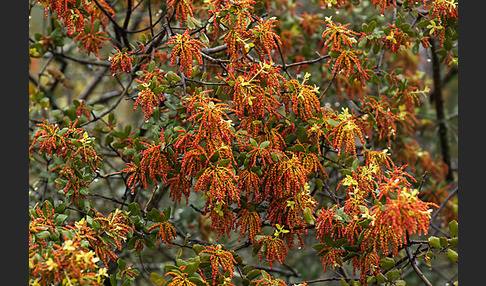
415, 267
308, 62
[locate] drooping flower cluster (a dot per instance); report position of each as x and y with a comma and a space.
185, 50
220, 258
378, 230
166, 233
120, 61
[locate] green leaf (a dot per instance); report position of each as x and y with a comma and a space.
308, 216
43, 234
150, 244
264, 144
380, 278
371, 280
364, 28
134, 209
447, 44
113, 280
60, 219
387, 263
333, 122
197, 281
253, 273
400, 283
398, 22
443, 241
180, 262
424, 23
170, 268
166, 213
453, 228
434, 242
198, 248
319, 246
371, 26
192, 267
452, 254
345, 172
129, 152
334, 53
454, 242
224, 162
393, 275
121, 264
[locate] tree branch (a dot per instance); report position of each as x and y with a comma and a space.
415, 267
439, 108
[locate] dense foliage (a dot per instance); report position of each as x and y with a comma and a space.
243, 142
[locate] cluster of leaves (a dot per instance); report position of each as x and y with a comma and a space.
237, 119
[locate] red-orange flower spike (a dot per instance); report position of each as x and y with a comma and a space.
183, 8
213, 123
92, 41
222, 219
50, 140
69, 262
285, 177
368, 263
166, 233
82, 110
179, 278
68, 12
135, 176
219, 184
265, 39
385, 117
238, 12
305, 103
219, 257
384, 4
311, 163
186, 49
250, 183
235, 43
397, 218
327, 223
155, 162
380, 159
148, 100
346, 63
396, 39
345, 133
155, 75
117, 225
268, 280
445, 9
74, 183
249, 97
192, 162
43, 220
179, 186
248, 222
339, 35
120, 62
331, 257
96, 12
277, 142
310, 22
275, 250
410, 97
